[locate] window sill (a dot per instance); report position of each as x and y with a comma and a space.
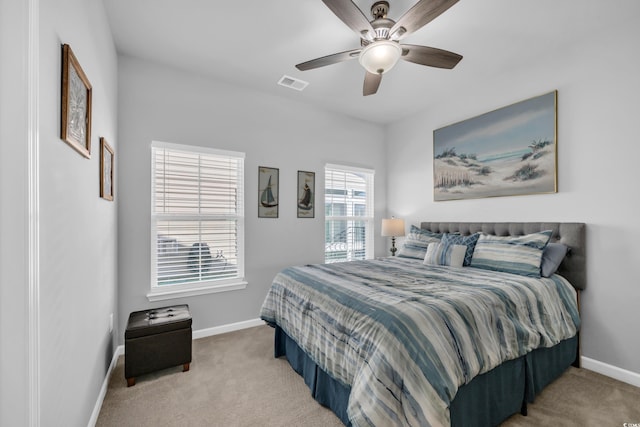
162, 294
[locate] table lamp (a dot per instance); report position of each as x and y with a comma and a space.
393, 228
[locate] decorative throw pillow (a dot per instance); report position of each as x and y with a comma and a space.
442, 254
512, 254
552, 257
459, 239
416, 242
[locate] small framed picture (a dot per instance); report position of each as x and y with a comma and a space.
268, 189
76, 104
106, 170
306, 194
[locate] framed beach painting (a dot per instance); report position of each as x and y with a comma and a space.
268, 188
306, 194
507, 152
75, 127
106, 170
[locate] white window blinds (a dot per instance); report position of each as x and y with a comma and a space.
348, 213
197, 215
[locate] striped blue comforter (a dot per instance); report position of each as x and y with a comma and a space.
406, 336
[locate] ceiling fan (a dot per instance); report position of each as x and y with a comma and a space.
380, 39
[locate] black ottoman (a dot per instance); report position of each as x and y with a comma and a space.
157, 339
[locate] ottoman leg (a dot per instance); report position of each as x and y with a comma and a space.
131, 381
185, 367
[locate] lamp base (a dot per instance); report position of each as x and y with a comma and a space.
393, 246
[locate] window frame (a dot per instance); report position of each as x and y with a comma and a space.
370, 207
163, 292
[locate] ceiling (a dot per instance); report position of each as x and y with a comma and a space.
253, 43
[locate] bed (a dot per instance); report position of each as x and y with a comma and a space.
394, 342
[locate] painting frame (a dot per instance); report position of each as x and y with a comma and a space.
268, 192
76, 96
306, 194
510, 151
107, 160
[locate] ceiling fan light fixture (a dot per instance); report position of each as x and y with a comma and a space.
380, 56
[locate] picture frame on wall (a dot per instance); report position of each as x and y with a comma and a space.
268, 192
75, 127
106, 170
510, 151
306, 194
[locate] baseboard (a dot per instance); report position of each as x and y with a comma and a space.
201, 333
611, 371
217, 330
105, 384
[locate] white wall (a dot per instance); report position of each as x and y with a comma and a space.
158, 103
598, 156
78, 229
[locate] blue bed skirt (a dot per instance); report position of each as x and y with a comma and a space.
487, 400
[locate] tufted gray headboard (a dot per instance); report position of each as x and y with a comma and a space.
572, 234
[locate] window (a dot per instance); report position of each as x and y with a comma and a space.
197, 220
348, 213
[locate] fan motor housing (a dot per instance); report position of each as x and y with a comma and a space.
382, 27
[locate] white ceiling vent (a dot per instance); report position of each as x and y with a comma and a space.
292, 83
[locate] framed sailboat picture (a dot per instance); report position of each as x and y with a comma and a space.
268, 188
306, 194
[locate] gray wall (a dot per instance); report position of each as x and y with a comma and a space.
158, 103
78, 229
76, 290
14, 188
598, 154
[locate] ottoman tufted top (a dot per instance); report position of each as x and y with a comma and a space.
157, 321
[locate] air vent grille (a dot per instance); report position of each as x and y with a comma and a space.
292, 83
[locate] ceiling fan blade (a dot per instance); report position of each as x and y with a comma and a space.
329, 59
351, 15
371, 83
430, 56
418, 16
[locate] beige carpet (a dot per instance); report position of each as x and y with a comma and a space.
235, 381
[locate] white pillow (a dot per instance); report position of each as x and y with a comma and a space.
443, 254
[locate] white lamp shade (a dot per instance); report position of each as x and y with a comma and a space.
392, 227
380, 56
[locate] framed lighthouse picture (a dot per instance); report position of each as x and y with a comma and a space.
306, 194
268, 186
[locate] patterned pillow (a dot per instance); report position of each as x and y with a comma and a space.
459, 239
416, 242
518, 255
443, 254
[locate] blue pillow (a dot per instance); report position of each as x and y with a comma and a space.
459, 239
517, 255
552, 257
416, 242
